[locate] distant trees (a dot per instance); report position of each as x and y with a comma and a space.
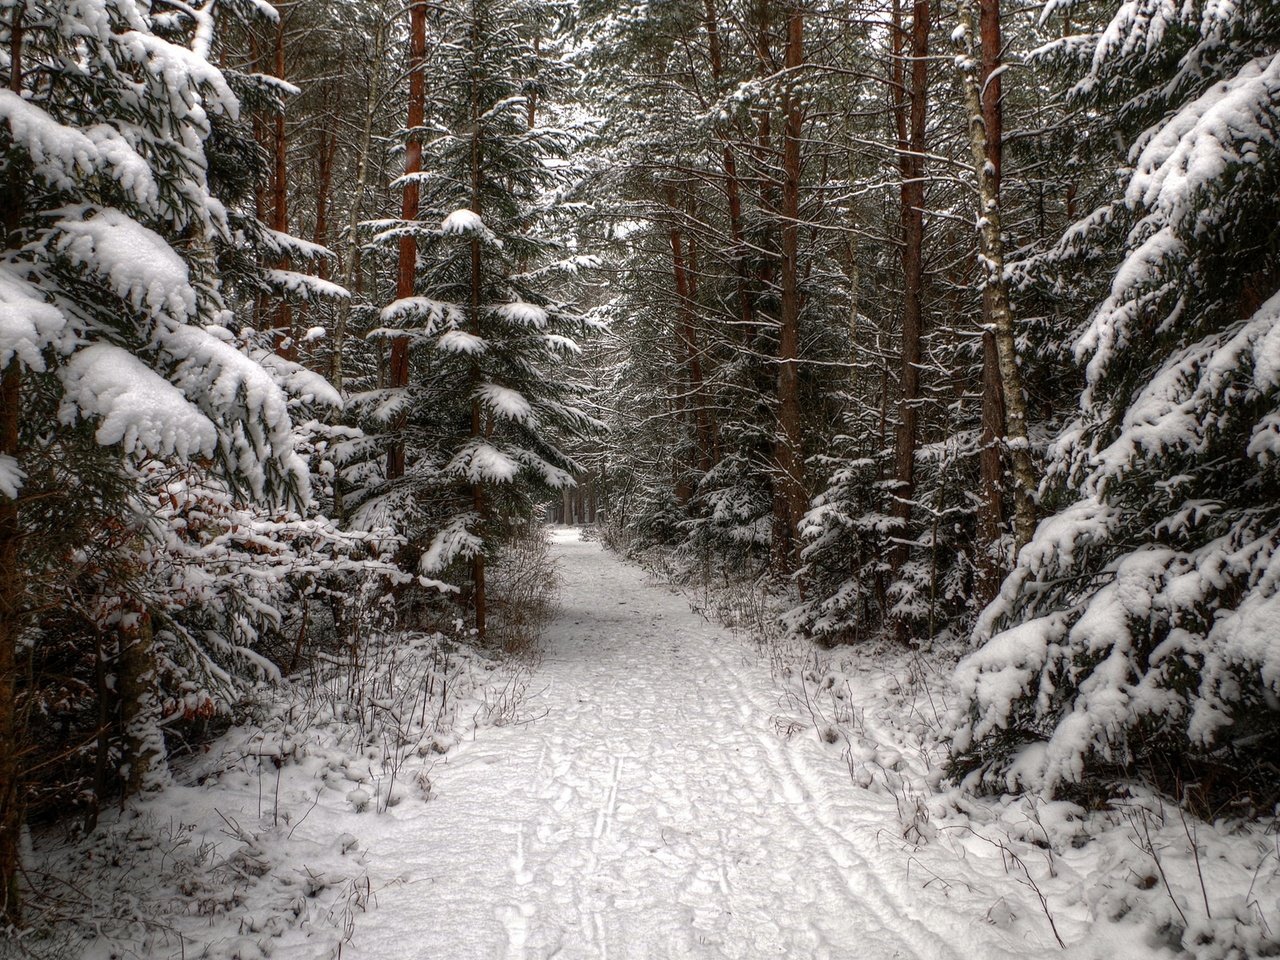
913, 298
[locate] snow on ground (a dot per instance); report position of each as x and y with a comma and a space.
658, 787
656, 802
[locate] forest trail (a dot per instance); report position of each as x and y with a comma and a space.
648, 808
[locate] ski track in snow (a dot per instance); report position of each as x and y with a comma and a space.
648, 809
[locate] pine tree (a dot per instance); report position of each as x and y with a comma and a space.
116, 344
1137, 630
487, 404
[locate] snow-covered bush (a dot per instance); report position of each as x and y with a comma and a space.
1137, 632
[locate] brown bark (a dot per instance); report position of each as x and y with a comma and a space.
12, 586
325, 150
910, 119
990, 461
687, 339
284, 338
408, 246
142, 743
996, 291
732, 183
351, 260
789, 500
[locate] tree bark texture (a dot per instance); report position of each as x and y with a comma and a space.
351, 259
790, 501
990, 460
996, 289
407, 250
284, 337
911, 116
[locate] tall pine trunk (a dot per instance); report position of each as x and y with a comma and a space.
789, 501
408, 245
687, 341
284, 337
351, 259
732, 183
911, 117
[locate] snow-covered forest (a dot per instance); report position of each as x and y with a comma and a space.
657, 479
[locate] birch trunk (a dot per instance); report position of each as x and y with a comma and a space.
995, 289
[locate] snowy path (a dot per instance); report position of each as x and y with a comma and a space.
649, 811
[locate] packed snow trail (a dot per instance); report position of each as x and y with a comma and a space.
648, 808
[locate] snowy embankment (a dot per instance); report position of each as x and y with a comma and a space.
259, 846
659, 787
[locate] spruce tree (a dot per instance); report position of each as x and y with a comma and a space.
1136, 632
489, 401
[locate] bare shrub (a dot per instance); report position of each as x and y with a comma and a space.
522, 589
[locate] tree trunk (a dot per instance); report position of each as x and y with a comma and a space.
687, 338
910, 119
789, 499
996, 290
479, 600
990, 461
284, 337
325, 150
143, 743
12, 585
352, 257
732, 185
12, 615
408, 245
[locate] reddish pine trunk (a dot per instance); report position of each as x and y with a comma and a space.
686, 337
284, 339
910, 118
408, 247
789, 499
733, 186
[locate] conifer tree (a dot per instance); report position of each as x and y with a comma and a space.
488, 401
1132, 634
116, 342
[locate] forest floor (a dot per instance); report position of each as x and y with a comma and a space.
652, 786
659, 800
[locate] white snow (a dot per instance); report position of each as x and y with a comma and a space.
12, 476
655, 787
133, 405
645, 805
481, 462
462, 220
57, 151
306, 285
467, 223
138, 263
27, 323
522, 314
505, 403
